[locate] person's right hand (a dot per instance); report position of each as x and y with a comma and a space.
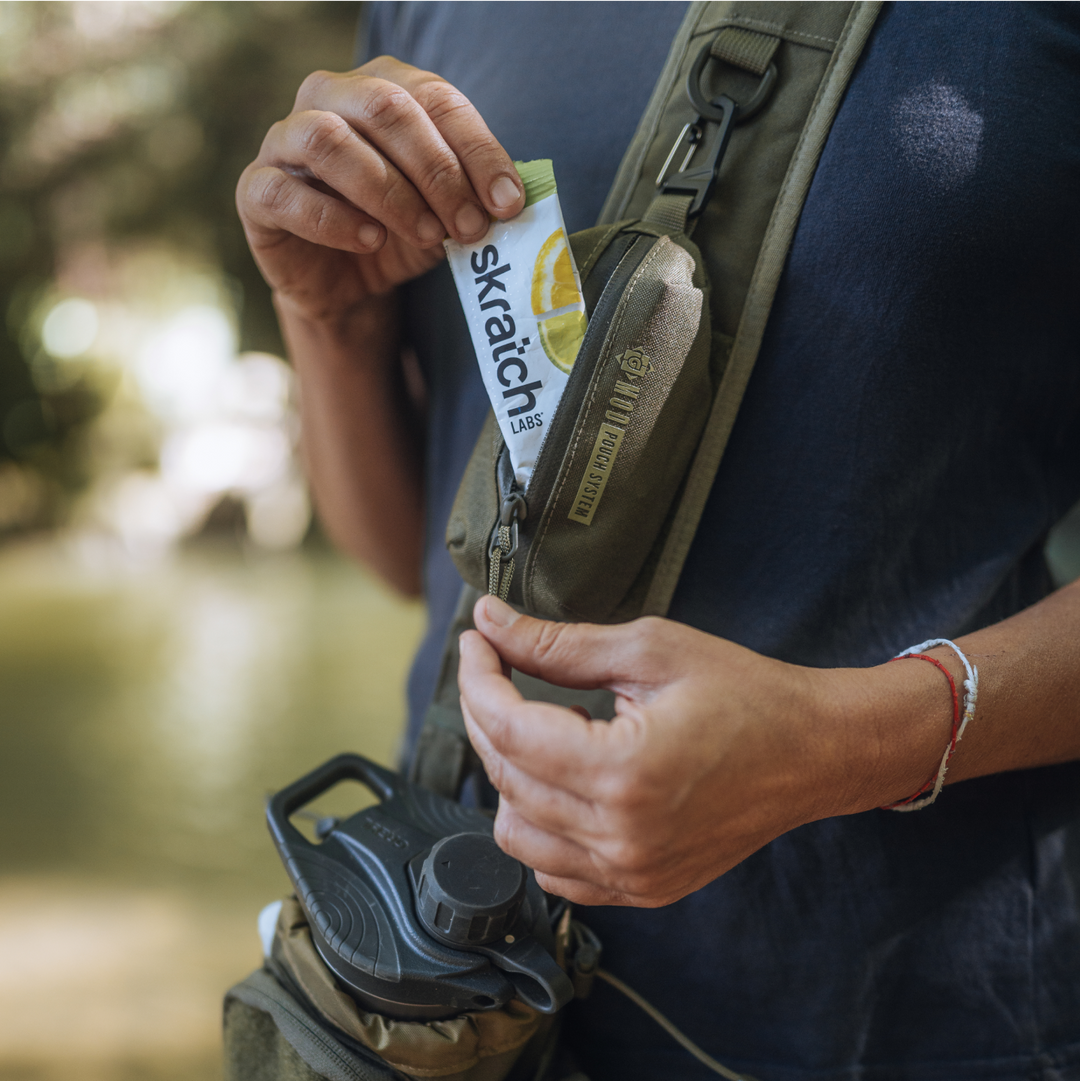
353, 192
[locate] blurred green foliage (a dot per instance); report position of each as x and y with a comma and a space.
120, 123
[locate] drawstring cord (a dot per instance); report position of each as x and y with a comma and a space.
705, 1059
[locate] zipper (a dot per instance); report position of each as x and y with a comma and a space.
603, 291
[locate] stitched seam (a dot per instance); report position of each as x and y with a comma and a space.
598, 248
750, 22
615, 319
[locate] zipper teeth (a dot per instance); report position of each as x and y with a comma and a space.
592, 344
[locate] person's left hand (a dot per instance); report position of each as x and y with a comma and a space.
714, 749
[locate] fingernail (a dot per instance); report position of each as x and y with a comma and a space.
499, 612
504, 193
470, 219
368, 234
429, 228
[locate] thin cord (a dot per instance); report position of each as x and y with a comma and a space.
670, 1029
914, 803
971, 694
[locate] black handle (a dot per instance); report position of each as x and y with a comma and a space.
545, 987
345, 767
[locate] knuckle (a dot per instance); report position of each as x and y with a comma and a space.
646, 632
388, 195
549, 640
276, 140
440, 172
270, 188
631, 866
440, 100
312, 87
323, 135
384, 66
500, 732
505, 833
384, 104
644, 640
496, 775
321, 221
651, 626
620, 790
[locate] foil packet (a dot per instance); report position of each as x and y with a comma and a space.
521, 293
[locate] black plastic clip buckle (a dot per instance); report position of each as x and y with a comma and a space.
711, 132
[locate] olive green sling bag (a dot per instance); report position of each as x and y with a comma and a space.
744, 104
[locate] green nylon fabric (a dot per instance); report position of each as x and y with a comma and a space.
256, 1050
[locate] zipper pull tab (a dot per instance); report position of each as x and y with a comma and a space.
504, 543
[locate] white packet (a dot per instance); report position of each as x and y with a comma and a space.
522, 298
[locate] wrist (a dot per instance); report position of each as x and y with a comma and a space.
363, 337
890, 724
331, 320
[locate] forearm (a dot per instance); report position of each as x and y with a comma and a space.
1028, 711
362, 438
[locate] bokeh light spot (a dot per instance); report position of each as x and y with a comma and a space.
70, 328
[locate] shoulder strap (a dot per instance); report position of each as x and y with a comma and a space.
762, 185
744, 232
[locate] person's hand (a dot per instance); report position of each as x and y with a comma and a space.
713, 752
353, 192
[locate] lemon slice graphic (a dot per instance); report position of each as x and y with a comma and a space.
561, 337
554, 287
553, 284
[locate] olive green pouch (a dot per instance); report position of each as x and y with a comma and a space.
580, 542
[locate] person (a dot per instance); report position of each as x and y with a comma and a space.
909, 435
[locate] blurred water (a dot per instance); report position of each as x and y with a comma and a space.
144, 716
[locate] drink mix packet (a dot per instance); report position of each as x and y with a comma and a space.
522, 298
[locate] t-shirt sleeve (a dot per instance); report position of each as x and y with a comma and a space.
378, 31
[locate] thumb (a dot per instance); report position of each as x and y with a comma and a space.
581, 655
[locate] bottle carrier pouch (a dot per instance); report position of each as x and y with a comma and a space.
580, 541
325, 1028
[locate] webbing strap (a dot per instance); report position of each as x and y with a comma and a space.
669, 212
745, 49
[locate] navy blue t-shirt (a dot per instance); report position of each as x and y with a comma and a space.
910, 433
